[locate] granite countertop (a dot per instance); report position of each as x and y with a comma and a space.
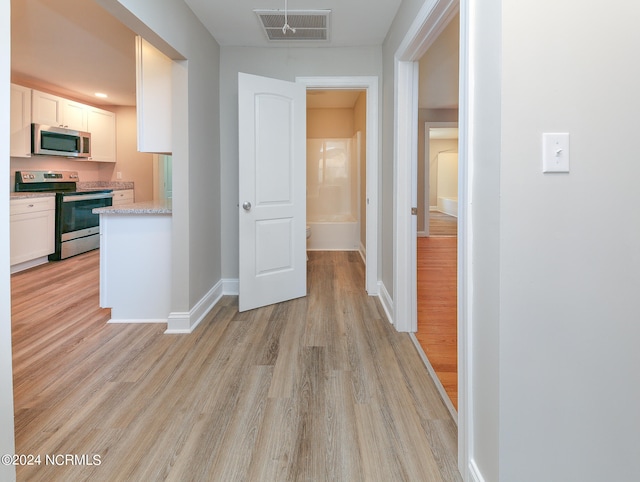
145, 207
25, 195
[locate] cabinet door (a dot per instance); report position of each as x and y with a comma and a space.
46, 108
20, 121
32, 236
153, 95
124, 196
51, 110
74, 115
102, 125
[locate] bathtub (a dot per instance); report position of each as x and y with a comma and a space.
448, 205
334, 233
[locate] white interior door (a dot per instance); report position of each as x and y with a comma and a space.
272, 204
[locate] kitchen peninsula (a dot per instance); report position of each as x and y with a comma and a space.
135, 261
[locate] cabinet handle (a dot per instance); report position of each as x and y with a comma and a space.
30, 205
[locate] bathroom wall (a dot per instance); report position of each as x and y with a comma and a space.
360, 125
334, 126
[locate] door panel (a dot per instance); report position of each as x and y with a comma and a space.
272, 188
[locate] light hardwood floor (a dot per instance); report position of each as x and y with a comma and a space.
319, 388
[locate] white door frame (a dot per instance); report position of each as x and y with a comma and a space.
370, 84
430, 21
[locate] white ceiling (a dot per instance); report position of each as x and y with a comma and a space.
76, 48
73, 47
352, 22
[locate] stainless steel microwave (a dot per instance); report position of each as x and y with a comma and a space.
58, 141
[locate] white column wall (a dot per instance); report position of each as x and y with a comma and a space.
570, 243
6, 373
197, 254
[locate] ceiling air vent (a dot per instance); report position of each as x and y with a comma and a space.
308, 24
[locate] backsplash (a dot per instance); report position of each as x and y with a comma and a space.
105, 185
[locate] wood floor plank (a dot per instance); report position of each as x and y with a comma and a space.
438, 308
317, 388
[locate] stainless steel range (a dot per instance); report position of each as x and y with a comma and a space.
77, 228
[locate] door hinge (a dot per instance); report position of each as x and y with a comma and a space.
414, 211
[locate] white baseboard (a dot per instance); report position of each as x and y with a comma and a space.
231, 286
436, 380
29, 264
186, 322
386, 301
474, 472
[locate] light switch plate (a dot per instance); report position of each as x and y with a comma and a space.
555, 152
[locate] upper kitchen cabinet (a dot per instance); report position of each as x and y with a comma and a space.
102, 126
153, 91
20, 121
52, 110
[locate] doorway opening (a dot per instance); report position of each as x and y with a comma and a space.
336, 170
364, 195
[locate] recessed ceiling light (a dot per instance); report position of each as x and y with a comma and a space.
101, 95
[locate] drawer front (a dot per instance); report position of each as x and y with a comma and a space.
32, 205
123, 197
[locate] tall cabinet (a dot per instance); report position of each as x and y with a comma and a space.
20, 143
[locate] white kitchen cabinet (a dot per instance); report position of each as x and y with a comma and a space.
52, 110
123, 196
102, 126
49, 109
153, 96
32, 231
20, 121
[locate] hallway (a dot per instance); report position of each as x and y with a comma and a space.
317, 388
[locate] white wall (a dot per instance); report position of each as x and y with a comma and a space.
438, 72
6, 374
172, 27
280, 63
481, 403
133, 165
569, 263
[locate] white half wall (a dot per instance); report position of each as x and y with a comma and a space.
173, 28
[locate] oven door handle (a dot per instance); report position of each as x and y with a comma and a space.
85, 197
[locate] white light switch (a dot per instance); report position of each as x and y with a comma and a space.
555, 152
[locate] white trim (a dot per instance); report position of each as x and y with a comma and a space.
434, 376
466, 451
363, 253
405, 196
432, 18
386, 301
474, 472
16, 268
182, 322
231, 286
370, 84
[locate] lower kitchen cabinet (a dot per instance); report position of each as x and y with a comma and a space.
32, 228
123, 196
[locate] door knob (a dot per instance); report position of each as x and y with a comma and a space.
246, 206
